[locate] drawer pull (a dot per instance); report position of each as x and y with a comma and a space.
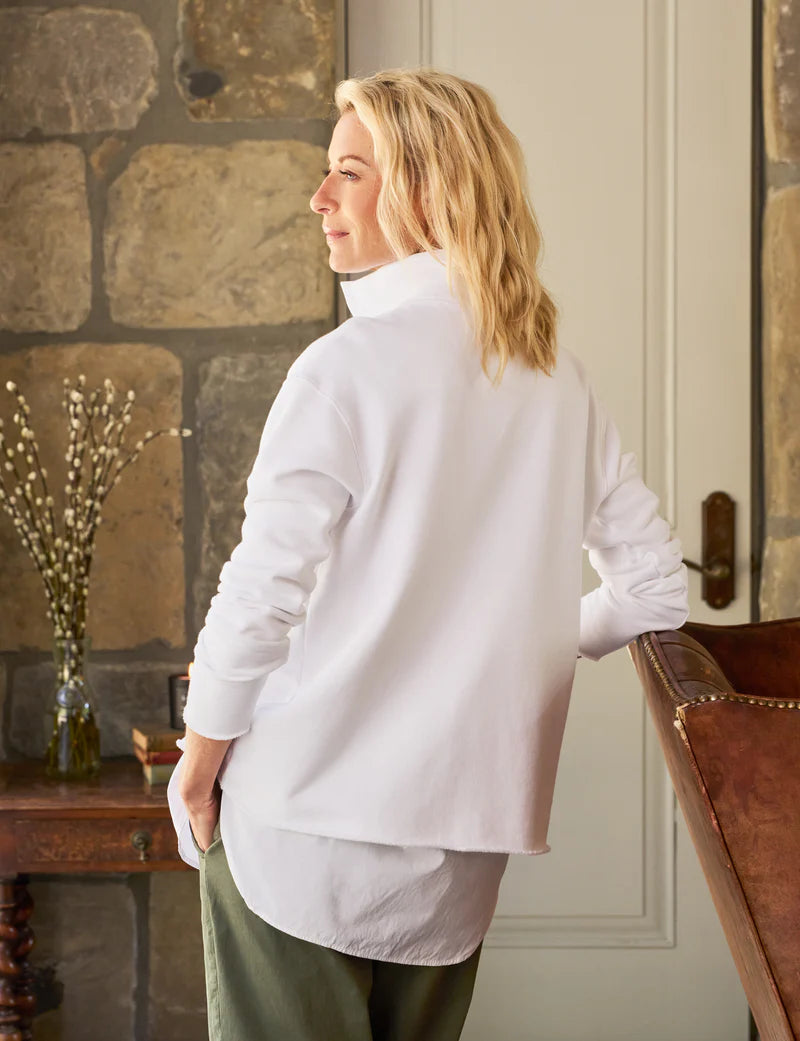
141, 840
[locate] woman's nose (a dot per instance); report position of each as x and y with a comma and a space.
321, 201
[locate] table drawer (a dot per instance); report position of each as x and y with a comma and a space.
94, 844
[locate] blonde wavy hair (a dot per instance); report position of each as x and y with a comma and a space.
454, 177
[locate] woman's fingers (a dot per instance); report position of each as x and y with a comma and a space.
203, 818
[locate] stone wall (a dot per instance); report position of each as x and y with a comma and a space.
780, 587
157, 158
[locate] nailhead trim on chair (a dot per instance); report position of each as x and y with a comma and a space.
743, 699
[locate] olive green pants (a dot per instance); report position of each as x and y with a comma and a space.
264, 985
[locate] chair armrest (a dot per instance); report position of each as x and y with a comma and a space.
761, 658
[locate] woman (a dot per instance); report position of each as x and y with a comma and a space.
381, 685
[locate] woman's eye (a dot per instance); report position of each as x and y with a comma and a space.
347, 173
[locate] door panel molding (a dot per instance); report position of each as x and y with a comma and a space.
660, 459
655, 926
432, 24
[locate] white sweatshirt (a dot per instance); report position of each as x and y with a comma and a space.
394, 639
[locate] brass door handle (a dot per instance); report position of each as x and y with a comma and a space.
717, 569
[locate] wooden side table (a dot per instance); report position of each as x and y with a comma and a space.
115, 822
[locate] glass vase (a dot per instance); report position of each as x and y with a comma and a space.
73, 753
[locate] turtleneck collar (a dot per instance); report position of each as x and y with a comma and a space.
418, 275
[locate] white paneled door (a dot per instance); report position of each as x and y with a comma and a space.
635, 120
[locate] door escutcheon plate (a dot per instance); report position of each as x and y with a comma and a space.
718, 566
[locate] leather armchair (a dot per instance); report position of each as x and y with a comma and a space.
726, 704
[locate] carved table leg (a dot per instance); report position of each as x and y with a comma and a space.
16, 940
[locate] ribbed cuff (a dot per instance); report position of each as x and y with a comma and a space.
218, 708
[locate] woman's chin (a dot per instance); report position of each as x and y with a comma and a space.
344, 262
340, 263
337, 265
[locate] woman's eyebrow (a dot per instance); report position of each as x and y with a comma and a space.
357, 158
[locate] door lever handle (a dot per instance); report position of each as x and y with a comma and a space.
719, 550
715, 569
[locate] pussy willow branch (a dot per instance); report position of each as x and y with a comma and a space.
95, 437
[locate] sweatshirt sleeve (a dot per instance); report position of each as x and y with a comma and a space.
643, 579
305, 474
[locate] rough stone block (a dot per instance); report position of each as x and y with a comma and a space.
781, 50
177, 999
124, 694
136, 593
209, 236
45, 238
781, 281
235, 395
74, 71
85, 931
779, 596
244, 59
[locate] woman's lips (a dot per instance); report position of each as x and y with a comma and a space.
335, 234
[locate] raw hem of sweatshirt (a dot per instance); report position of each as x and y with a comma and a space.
434, 843
350, 949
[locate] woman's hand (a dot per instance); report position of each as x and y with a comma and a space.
203, 817
199, 787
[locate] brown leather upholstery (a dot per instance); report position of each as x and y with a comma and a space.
726, 704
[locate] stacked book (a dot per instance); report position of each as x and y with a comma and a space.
154, 746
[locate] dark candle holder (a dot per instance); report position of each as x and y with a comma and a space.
178, 689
